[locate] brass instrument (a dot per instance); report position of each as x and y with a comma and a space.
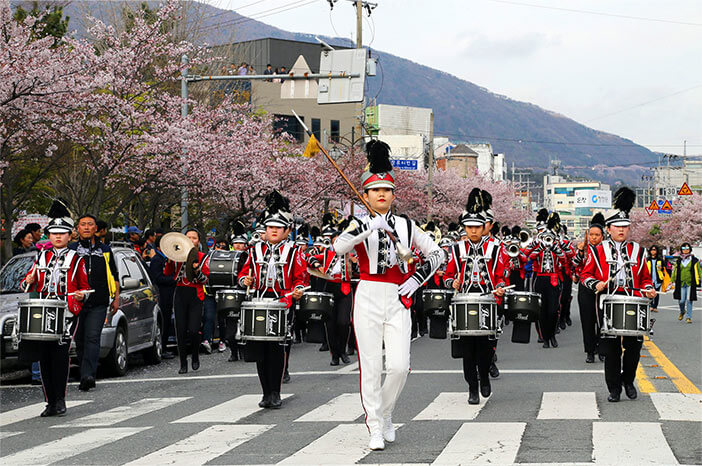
547, 238
513, 248
525, 238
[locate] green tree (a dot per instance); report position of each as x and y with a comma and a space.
50, 21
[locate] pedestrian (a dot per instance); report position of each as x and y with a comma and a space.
166, 289
619, 267
36, 231
686, 277
148, 249
586, 297
101, 232
383, 296
103, 278
187, 304
658, 273
243, 69
24, 242
485, 274
268, 71
276, 73
58, 273
134, 237
273, 269
283, 72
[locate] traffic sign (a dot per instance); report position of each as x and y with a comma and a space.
685, 190
666, 206
404, 164
210, 242
653, 206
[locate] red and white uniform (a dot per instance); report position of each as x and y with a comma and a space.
339, 267
478, 266
623, 263
177, 270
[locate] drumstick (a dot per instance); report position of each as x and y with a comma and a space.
248, 287
610, 278
81, 291
32, 272
493, 291
301, 289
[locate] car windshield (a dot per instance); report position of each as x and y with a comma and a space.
14, 272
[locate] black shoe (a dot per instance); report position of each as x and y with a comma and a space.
324, 347
36, 381
539, 340
494, 371
297, 340
546, 344
234, 356
473, 397
630, 391
613, 397
344, 358
590, 358
554, 342
568, 321
602, 357
334, 361
167, 355
485, 389
558, 330
351, 351
275, 401
60, 407
562, 324
265, 402
83, 386
286, 376
183, 368
49, 411
422, 333
196, 362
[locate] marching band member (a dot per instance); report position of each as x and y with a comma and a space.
547, 257
618, 266
187, 304
239, 242
476, 266
490, 232
566, 279
57, 273
383, 296
517, 273
586, 297
273, 269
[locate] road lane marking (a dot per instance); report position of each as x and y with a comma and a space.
450, 406
122, 413
644, 383
71, 445
5, 434
344, 444
228, 412
33, 410
678, 406
344, 408
348, 369
568, 405
630, 443
204, 446
683, 384
484, 443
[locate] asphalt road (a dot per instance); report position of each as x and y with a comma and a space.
548, 406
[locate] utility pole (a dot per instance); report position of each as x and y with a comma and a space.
430, 187
184, 113
359, 24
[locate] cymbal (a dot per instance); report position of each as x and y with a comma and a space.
193, 256
176, 246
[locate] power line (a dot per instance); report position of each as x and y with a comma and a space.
644, 103
597, 13
261, 14
232, 11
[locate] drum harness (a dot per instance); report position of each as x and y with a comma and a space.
272, 261
476, 260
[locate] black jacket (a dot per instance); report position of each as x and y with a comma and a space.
166, 283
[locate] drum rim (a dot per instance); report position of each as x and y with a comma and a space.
318, 293
460, 298
430, 292
522, 293
622, 299
51, 301
264, 303
230, 292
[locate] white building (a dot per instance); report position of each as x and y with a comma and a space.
560, 196
667, 181
405, 129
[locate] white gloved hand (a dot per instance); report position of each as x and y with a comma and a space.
379, 222
408, 287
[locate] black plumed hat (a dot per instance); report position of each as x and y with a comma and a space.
623, 202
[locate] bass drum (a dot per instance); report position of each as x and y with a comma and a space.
523, 306
224, 267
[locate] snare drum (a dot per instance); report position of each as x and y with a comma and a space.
263, 319
437, 303
42, 319
229, 302
316, 303
473, 314
626, 315
523, 306
224, 267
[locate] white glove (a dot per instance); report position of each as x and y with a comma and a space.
379, 222
408, 287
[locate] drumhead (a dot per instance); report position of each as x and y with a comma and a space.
467, 298
623, 299
43, 303
231, 292
444, 293
318, 294
263, 303
523, 294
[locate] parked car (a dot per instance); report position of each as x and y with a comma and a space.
134, 327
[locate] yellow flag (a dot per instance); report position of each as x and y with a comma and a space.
312, 147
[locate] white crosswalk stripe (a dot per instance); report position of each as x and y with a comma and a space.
344, 408
203, 446
228, 412
450, 407
568, 405
483, 443
72, 445
623, 443
678, 406
33, 410
9, 434
122, 413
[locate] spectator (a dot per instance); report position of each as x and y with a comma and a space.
134, 237
243, 69
166, 289
24, 242
686, 276
159, 232
658, 273
268, 70
148, 249
101, 232
36, 230
104, 279
250, 70
282, 71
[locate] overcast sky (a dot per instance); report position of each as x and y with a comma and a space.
632, 68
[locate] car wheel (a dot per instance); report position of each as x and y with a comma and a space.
117, 359
153, 354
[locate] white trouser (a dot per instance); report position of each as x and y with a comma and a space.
378, 317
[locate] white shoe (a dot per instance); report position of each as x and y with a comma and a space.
376, 441
222, 347
388, 430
